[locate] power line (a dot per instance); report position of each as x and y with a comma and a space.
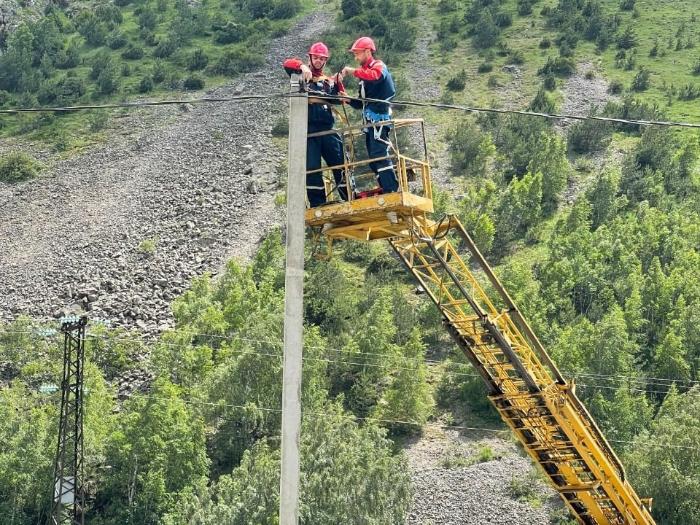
383, 420
610, 378
144, 104
399, 103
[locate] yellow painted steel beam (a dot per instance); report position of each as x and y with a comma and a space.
557, 435
524, 385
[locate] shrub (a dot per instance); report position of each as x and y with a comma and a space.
147, 247
400, 39
503, 19
589, 136
173, 80
550, 82
565, 50
628, 39
485, 67
133, 52
146, 84
641, 80
654, 51
61, 91
285, 9
109, 13
94, 31
525, 7
458, 82
17, 166
627, 5
444, 6
108, 81
230, 33
615, 87
492, 82
689, 92
631, 109
69, 57
545, 43
98, 120
197, 60
560, 66
147, 19
486, 31
116, 40
159, 72
281, 128
470, 149
194, 83
100, 62
542, 103
165, 48
148, 37
5, 98
696, 67
235, 62
351, 8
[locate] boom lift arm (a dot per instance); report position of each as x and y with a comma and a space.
523, 383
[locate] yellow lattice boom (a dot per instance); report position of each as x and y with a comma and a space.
525, 386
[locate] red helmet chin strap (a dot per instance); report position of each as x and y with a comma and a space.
316, 72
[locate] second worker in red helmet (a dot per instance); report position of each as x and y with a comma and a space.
330, 146
375, 83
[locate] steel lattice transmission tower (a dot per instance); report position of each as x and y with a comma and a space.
68, 497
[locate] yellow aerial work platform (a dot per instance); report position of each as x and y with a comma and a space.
368, 215
525, 386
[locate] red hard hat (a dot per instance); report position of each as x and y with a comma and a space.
319, 49
364, 42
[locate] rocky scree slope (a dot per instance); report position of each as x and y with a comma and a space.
121, 230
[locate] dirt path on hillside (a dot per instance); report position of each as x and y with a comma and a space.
199, 190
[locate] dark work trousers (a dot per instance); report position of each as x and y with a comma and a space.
330, 147
377, 140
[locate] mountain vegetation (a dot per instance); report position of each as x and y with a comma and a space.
594, 228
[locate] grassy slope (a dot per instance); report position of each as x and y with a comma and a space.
71, 131
657, 19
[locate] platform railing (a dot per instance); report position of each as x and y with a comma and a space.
413, 174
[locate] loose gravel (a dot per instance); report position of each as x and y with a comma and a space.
122, 229
477, 492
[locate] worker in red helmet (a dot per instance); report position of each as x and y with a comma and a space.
375, 83
330, 146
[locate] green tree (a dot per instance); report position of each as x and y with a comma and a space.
27, 446
349, 475
157, 451
486, 31
16, 71
408, 398
470, 150
549, 159
603, 197
520, 207
91, 28
670, 359
663, 463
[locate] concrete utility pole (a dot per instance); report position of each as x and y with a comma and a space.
293, 306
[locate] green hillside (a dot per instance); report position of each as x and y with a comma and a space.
594, 229
124, 50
